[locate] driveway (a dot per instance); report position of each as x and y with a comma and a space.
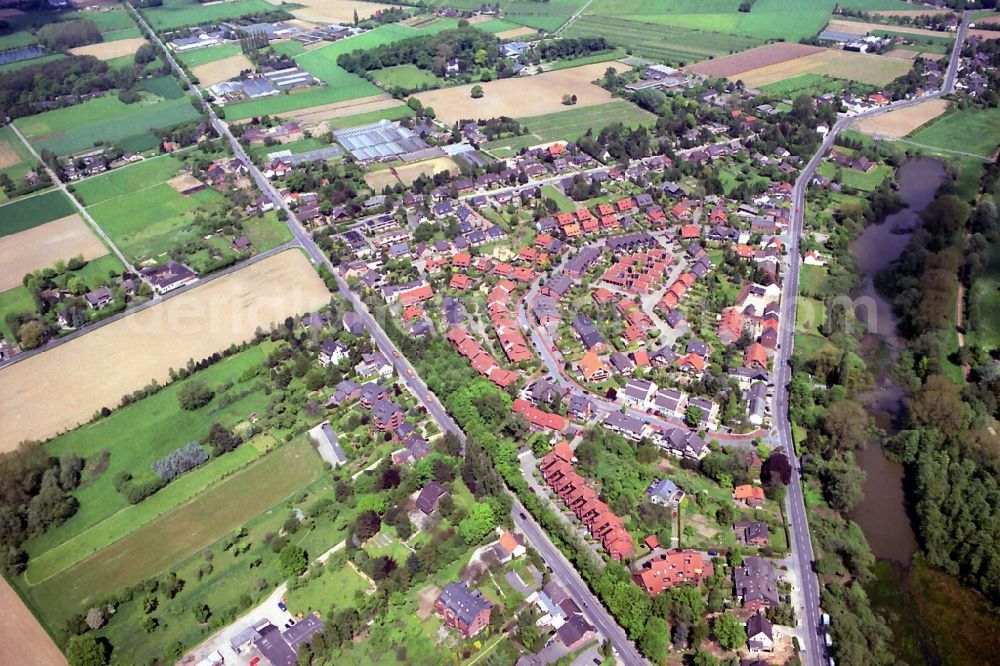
267, 611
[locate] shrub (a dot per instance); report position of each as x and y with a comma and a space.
177, 462
194, 395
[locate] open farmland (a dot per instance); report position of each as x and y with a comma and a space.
127, 179
505, 97
407, 77
34, 211
62, 387
221, 70
975, 131
75, 128
354, 107
408, 173
862, 28
33, 647
181, 13
109, 50
762, 56
153, 220
333, 11
861, 67
659, 42
42, 246
203, 56
900, 123
522, 31
810, 84
571, 124
15, 158
155, 547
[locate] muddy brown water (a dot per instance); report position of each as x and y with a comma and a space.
882, 514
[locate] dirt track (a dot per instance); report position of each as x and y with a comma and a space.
42, 246
521, 97
60, 388
26, 643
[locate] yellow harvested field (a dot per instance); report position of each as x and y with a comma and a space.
872, 69
61, 388
861, 28
900, 123
351, 107
43, 246
109, 50
221, 70
516, 32
33, 646
408, 173
334, 11
522, 96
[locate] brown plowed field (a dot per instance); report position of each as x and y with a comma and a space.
762, 56
26, 643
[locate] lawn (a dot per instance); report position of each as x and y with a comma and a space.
812, 280
975, 131
209, 54
21, 64
408, 77
164, 222
34, 211
810, 84
76, 128
127, 179
606, 56
332, 589
19, 162
984, 300
860, 180
180, 13
571, 124
181, 532
666, 43
266, 231
138, 435
17, 300
565, 204
809, 315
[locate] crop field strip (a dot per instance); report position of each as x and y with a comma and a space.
40, 247
156, 546
34, 211
180, 13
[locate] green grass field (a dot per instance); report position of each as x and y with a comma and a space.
76, 128
566, 205
267, 231
127, 179
17, 39
163, 224
810, 84
497, 25
21, 64
408, 77
209, 54
34, 211
571, 124
25, 161
667, 43
179, 533
17, 300
333, 589
812, 280
392, 113
864, 181
984, 328
975, 131
137, 436
607, 56
180, 13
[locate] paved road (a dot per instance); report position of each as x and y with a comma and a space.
564, 571
54, 177
814, 652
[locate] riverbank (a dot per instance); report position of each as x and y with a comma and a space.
934, 619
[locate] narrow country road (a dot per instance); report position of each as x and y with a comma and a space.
561, 567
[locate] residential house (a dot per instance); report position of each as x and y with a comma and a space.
760, 634
752, 533
663, 569
332, 352
756, 583
665, 493
463, 609
749, 496
429, 497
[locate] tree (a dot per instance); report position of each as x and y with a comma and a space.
292, 561
31, 334
477, 92
367, 525
201, 613
480, 522
95, 618
86, 650
194, 395
693, 415
654, 640
776, 470
730, 632
846, 422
